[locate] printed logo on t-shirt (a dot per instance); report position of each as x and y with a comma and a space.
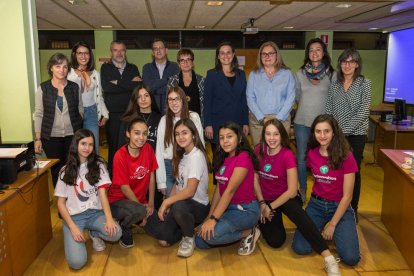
222, 169
140, 172
82, 194
324, 169
267, 168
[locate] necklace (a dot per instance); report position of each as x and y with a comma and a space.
146, 119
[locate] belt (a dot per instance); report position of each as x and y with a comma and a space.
321, 198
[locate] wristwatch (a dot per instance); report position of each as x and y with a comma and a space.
214, 218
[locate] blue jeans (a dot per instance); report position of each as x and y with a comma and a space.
90, 122
229, 228
91, 219
302, 136
345, 235
169, 174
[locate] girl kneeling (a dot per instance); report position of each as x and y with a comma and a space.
333, 167
234, 209
188, 204
82, 200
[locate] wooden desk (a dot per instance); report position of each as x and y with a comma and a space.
398, 204
389, 136
25, 225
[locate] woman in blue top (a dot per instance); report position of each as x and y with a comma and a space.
224, 93
270, 90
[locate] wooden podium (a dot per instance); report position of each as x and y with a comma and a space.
25, 225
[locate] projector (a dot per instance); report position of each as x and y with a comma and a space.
250, 30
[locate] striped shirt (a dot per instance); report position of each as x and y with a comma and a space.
350, 108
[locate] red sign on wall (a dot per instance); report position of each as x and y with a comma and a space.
324, 38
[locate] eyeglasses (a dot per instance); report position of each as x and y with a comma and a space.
187, 60
82, 53
348, 62
174, 100
157, 49
270, 54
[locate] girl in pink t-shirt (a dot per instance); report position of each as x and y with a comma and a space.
234, 209
82, 200
333, 167
278, 193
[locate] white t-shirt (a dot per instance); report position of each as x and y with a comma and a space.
83, 196
194, 165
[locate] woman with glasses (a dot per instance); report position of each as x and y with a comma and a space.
177, 108
312, 84
270, 90
189, 81
84, 74
349, 100
224, 93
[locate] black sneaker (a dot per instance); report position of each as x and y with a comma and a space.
126, 241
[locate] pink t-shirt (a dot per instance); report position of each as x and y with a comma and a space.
328, 183
245, 192
273, 172
132, 171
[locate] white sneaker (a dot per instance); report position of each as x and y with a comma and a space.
186, 248
248, 244
331, 266
97, 243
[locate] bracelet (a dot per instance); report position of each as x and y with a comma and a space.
262, 202
214, 218
270, 206
37, 139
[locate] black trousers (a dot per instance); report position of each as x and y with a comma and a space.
128, 212
274, 231
357, 143
183, 217
57, 148
113, 128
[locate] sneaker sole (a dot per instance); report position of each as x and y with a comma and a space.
256, 238
185, 255
123, 245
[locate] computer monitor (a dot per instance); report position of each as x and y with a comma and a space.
400, 112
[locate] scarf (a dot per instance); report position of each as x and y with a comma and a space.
315, 73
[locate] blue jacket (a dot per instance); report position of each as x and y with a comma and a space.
222, 102
151, 77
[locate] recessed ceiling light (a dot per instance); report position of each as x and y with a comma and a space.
106, 26
373, 29
344, 6
288, 27
77, 2
199, 27
214, 3
384, 31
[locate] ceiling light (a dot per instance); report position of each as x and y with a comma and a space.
288, 27
199, 27
384, 31
77, 2
215, 3
373, 29
344, 6
106, 26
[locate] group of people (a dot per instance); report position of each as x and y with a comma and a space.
156, 130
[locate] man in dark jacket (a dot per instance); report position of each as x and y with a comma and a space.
157, 73
118, 78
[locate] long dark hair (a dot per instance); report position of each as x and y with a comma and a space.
326, 59
74, 61
179, 151
71, 170
132, 110
169, 115
284, 141
354, 54
243, 145
338, 148
234, 66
